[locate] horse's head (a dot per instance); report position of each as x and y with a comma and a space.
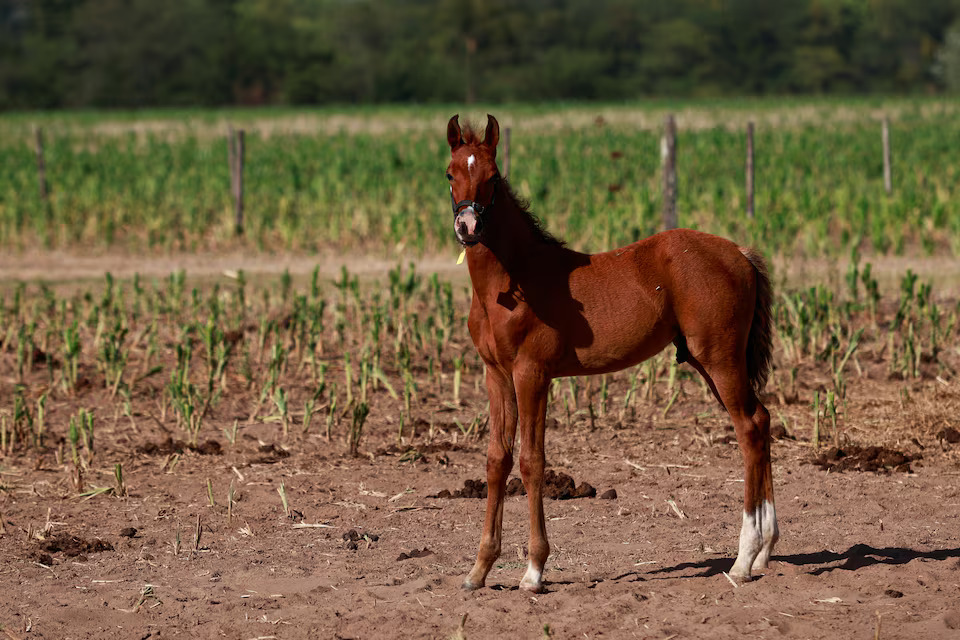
474, 179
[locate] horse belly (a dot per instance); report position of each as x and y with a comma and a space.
621, 339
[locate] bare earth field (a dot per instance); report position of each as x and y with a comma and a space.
365, 551
71, 267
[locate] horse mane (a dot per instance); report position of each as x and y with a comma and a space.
535, 223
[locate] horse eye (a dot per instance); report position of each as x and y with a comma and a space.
449, 177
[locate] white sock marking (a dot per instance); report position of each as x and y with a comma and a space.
770, 532
532, 576
757, 537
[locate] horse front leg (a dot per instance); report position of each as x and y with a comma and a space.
532, 404
503, 429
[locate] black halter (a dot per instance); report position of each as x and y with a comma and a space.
479, 208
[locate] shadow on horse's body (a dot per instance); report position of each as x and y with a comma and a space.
541, 310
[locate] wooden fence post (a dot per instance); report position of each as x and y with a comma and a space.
41, 165
668, 158
750, 169
506, 152
238, 181
887, 172
231, 158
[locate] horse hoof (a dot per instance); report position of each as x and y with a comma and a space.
469, 585
739, 579
532, 587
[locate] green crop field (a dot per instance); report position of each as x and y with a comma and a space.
167, 346
371, 179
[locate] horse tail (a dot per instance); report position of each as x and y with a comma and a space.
760, 340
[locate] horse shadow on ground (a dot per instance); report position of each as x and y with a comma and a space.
854, 558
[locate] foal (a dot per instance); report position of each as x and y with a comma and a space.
542, 311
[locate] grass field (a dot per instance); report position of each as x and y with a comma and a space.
371, 179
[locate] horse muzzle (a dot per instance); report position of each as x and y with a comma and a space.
468, 226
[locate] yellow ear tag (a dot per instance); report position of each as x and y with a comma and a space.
462, 254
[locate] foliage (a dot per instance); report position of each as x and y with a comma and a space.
134, 53
947, 66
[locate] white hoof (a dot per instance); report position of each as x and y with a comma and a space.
532, 580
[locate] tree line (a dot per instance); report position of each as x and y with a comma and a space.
140, 53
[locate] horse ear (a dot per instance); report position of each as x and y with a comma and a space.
454, 137
492, 136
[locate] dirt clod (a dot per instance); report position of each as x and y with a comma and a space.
353, 536
556, 486
169, 446
856, 458
270, 454
893, 593
40, 357
609, 494
352, 539
416, 553
233, 336
73, 546
560, 486
471, 489
208, 448
949, 434
129, 532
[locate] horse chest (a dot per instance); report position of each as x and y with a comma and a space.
500, 333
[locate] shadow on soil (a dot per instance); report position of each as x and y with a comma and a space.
856, 557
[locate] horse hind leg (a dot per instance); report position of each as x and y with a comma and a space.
759, 532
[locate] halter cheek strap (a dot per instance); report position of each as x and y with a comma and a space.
479, 208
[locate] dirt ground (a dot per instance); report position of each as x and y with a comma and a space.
366, 552
73, 268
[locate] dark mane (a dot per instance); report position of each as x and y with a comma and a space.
535, 224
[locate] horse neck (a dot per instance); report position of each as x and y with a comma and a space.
510, 247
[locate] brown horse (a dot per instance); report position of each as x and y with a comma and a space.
542, 311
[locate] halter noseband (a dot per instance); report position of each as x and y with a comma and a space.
479, 208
